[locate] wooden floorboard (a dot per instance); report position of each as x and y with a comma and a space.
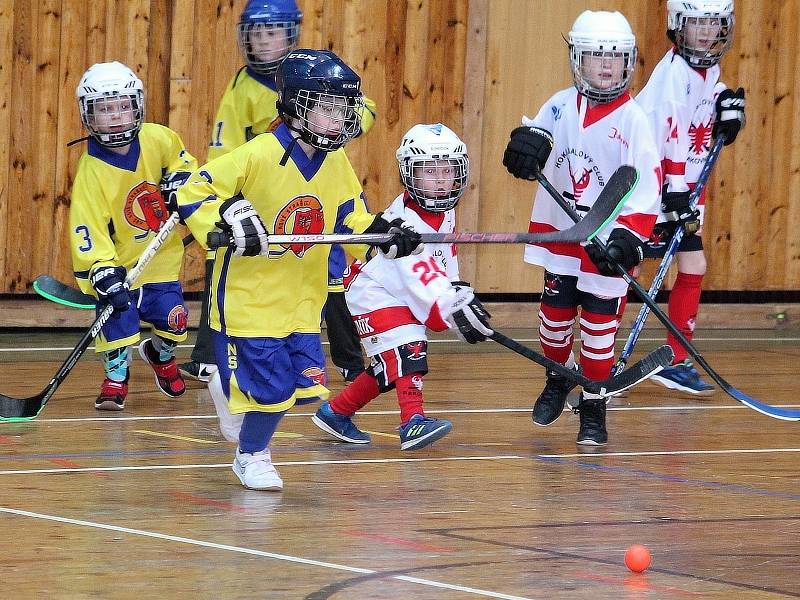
142, 504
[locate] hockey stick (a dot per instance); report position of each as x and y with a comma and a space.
669, 254
786, 414
636, 373
605, 209
24, 409
61, 293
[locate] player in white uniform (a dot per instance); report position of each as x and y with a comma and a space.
394, 302
578, 139
687, 106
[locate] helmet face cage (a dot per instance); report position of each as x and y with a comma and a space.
703, 39
265, 44
326, 121
113, 118
435, 182
594, 60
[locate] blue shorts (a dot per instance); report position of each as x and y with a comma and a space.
160, 304
271, 374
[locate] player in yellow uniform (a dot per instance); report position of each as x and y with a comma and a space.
266, 310
267, 31
115, 211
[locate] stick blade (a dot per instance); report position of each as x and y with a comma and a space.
55, 291
644, 369
776, 412
20, 409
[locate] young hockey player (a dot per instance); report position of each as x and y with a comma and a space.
267, 300
115, 211
393, 302
267, 31
578, 139
687, 106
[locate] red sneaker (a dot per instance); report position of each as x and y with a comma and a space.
112, 395
168, 379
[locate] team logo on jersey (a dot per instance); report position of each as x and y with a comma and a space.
315, 374
700, 137
144, 208
302, 215
556, 110
417, 350
177, 318
551, 281
580, 181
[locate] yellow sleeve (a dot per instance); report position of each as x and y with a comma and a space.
228, 131
358, 220
177, 156
368, 114
90, 242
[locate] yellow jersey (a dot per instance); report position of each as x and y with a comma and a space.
106, 223
284, 293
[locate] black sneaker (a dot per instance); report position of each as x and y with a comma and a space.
592, 413
197, 371
550, 403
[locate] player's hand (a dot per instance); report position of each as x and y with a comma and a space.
405, 240
527, 152
675, 205
248, 230
109, 283
169, 188
469, 318
729, 115
623, 248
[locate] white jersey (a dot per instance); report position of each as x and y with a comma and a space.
590, 143
679, 103
393, 301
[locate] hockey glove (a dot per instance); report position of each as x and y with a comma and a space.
730, 115
675, 205
109, 283
527, 152
405, 241
622, 247
469, 318
248, 230
169, 188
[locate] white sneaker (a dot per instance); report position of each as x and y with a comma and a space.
229, 424
256, 472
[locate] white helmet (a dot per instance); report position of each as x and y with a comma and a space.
111, 103
421, 146
711, 20
601, 35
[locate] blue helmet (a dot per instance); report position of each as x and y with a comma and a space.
268, 30
319, 97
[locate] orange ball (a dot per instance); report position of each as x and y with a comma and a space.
637, 558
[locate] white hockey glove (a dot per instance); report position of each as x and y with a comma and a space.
469, 318
248, 230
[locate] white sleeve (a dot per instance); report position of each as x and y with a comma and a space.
545, 118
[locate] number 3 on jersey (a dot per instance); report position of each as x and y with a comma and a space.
83, 231
428, 270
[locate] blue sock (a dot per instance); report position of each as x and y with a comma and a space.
164, 347
115, 364
257, 430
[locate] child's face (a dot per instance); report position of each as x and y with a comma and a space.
603, 70
268, 43
701, 33
327, 116
434, 178
113, 115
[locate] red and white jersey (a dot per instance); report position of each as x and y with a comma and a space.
393, 301
679, 102
590, 143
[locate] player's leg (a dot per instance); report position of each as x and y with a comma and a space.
557, 313
684, 302
202, 365
161, 305
343, 337
598, 323
119, 332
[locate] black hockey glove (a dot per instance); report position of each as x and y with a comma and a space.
730, 115
248, 230
675, 205
170, 183
109, 283
527, 152
623, 248
469, 318
404, 242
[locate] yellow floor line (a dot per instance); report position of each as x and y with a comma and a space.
175, 437
389, 435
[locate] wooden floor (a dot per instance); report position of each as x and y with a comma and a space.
143, 504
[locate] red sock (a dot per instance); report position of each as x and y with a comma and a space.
597, 344
555, 331
623, 302
684, 300
409, 396
356, 395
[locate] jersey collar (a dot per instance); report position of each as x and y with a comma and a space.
434, 219
308, 167
121, 161
265, 80
595, 113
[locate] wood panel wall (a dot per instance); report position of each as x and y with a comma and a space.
477, 65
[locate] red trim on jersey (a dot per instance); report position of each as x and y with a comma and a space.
562, 248
639, 223
383, 320
351, 273
595, 113
433, 219
702, 199
673, 168
435, 322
